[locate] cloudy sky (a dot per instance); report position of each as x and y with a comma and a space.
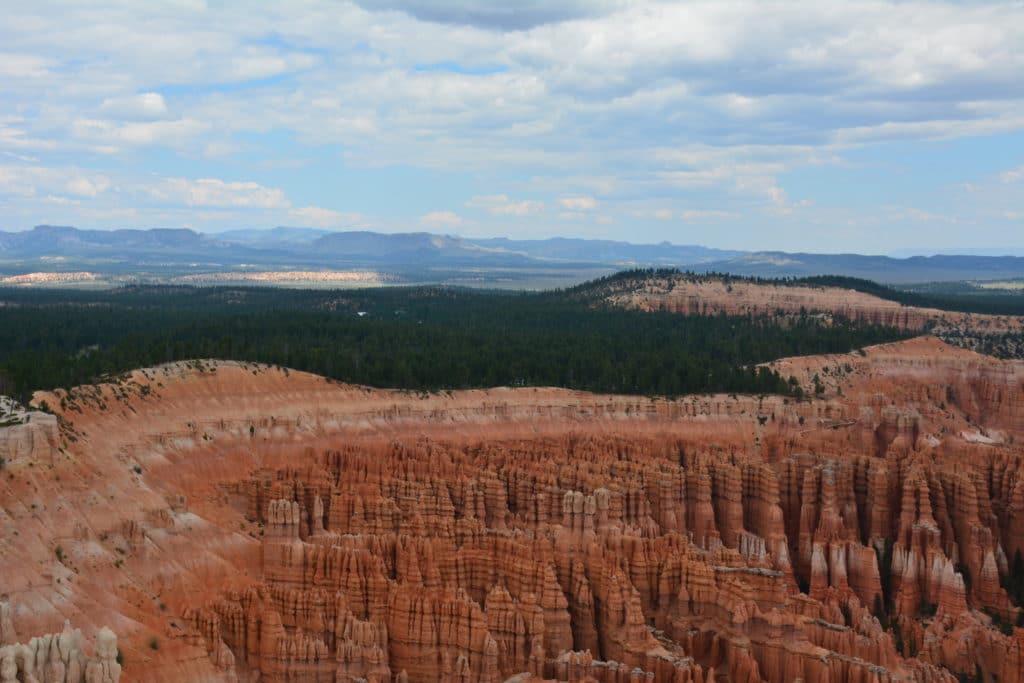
825, 125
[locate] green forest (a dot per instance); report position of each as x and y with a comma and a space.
945, 296
422, 338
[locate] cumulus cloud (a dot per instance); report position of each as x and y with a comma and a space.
30, 180
14, 181
255, 63
634, 102
578, 203
503, 205
441, 219
62, 201
213, 192
219, 148
523, 14
941, 129
87, 187
113, 135
143, 105
14, 137
324, 218
26, 66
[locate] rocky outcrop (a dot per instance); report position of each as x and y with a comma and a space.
26, 435
61, 658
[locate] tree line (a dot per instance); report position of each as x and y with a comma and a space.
943, 296
422, 338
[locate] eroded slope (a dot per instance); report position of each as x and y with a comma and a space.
228, 520
999, 335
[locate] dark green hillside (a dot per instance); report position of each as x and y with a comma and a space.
943, 296
416, 338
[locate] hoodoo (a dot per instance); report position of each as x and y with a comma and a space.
232, 522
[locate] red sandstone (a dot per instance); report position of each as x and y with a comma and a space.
252, 522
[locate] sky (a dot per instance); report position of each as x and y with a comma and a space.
826, 125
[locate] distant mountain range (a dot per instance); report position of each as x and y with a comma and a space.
884, 269
960, 251
427, 257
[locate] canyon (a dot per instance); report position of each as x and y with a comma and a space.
235, 522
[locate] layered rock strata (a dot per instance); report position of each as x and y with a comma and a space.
1000, 335
235, 522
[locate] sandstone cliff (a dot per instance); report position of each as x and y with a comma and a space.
231, 522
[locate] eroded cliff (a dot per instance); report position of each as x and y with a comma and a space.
999, 335
234, 522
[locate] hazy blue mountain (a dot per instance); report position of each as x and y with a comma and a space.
878, 268
959, 251
63, 239
607, 251
279, 235
60, 248
424, 257
420, 249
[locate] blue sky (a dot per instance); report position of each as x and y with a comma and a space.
803, 126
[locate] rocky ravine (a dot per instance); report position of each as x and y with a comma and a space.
998, 335
234, 522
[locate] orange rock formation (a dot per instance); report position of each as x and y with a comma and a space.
233, 522
692, 295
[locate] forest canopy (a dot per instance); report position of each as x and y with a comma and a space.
422, 338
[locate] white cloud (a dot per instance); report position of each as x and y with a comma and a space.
586, 217
143, 106
62, 201
13, 181
20, 157
704, 214
218, 149
712, 104
87, 187
502, 205
14, 138
26, 66
31, 180
261, 63
212, 192
325, 218
578, 203
112, 135
687, 215
442, 219
926, 216
939, 129
1012, 175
